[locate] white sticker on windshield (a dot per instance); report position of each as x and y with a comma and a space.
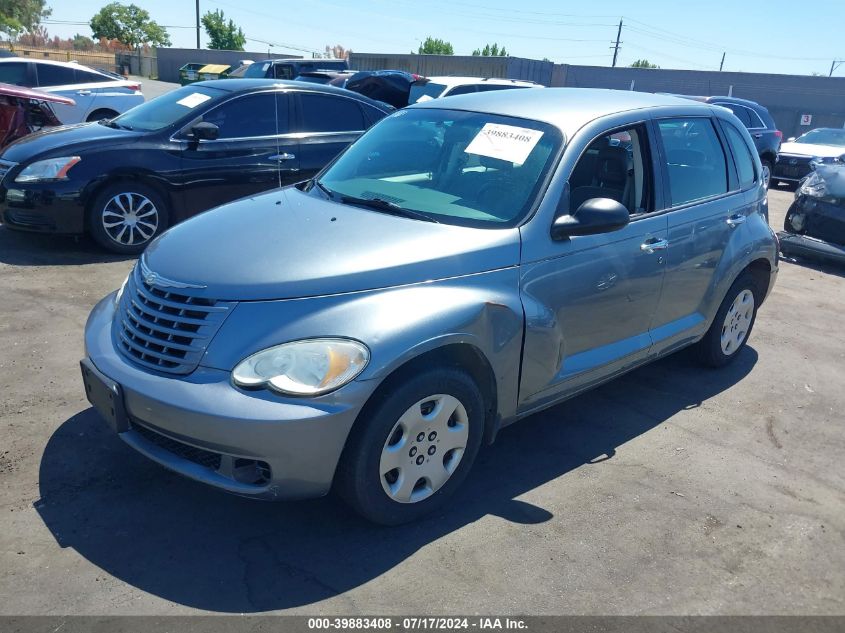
424, 98
193, 100
505, 142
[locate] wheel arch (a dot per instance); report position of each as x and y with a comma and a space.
103, 113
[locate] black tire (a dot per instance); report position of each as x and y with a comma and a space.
98, 115
709, 348
102, 206
358, 480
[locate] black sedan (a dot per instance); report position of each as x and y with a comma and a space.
124, 180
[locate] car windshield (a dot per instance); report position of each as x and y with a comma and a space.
425, 91
450, 166
167, 109
823, 137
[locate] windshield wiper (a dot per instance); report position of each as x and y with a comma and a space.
329, 193
113, 124
384, 206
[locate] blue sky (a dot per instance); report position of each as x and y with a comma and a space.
777, 36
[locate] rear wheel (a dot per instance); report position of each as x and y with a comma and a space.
732, 325
767, 174
414, 448
126, 216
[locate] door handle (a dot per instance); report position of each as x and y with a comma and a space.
654, 244
281, 157
758, 135
83, 93
735, 220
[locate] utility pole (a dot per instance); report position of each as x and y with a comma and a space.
616, 47
198, 24
723, 63
834, 65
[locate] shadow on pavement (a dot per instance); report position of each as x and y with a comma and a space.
18, 248
198, 547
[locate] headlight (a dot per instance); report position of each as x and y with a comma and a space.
50, 169
304, 368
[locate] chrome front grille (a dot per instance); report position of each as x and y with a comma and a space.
164, 330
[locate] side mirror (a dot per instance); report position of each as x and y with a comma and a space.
205, 131
596, 215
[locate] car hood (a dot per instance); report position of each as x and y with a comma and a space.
288, 244
810, 149
68, 139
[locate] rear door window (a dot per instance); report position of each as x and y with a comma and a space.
739, 111
325, 113
694, 158
88, 77
51, 75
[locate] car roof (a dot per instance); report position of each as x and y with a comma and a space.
243, 83
451, 81
566, 108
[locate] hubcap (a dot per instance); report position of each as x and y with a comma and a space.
130, 218
767, 175
737, 322
424, 448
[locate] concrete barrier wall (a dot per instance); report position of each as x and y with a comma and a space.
170, 60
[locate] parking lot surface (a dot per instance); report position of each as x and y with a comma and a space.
672, 490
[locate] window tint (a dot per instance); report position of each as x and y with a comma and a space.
50, 75
373, 115
87, 77
742, 155
252, 115
491, 87
282, 71
695, 160
13, 73
614, 166
739, 111
322, 113
756, 119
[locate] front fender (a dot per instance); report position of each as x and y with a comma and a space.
397, 325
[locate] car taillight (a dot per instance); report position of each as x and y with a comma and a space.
779, 134
135, 87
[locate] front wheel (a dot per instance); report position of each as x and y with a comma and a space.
126, 216
768, 183
414, 448
732, 325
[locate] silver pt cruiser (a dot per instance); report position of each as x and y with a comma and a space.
466, 263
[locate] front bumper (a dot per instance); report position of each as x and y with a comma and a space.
803, 245
42, 207
204, 428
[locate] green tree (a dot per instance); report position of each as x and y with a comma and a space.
433, 46
130, 25
17, 16
223, 35
82, 43
643, 63
490, 51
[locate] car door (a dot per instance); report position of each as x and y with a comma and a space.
589, 300
62, 80
326, 124
706, 207
253, 152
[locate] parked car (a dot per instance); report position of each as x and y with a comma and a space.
292, 68
462, 265
240, 69
23, 111
390, 86
819, 145
760, 124
815, 222
124, 180
427, 88
336, 78
96, 94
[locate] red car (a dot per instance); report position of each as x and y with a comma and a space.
23, 110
